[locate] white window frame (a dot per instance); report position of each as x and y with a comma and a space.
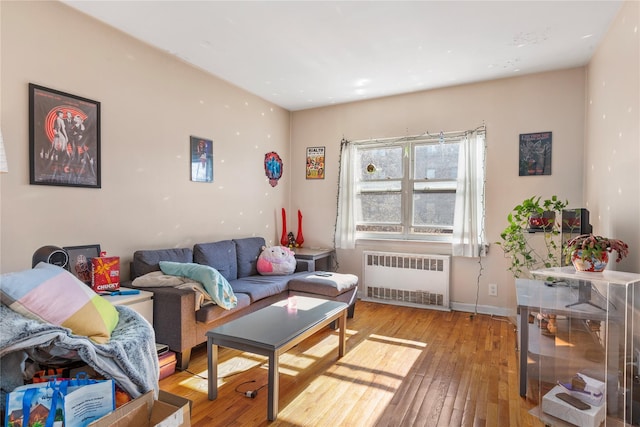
407, 190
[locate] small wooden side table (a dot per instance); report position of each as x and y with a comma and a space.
323, 258
141, 302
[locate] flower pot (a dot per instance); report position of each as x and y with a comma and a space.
590, 264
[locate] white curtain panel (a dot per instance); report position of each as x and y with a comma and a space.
468, 238
345, 224
4, 168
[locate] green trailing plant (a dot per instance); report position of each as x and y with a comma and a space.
591, 245
532, 215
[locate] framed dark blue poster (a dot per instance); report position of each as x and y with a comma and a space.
535, 154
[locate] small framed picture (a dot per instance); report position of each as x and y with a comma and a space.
315, 162
80, 260
64, 139
201, 159
535, 154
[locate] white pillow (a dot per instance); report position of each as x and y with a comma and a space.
157, 279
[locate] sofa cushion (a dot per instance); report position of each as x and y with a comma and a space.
248, 250
327, 284
51, 294
258, 287
214, 283
219, 255
146, 261
210, 313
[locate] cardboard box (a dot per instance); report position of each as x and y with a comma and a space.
168, 411
105, 273
560, 409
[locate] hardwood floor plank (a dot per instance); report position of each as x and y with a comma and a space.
403, 367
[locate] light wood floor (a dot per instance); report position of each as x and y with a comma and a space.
402, 367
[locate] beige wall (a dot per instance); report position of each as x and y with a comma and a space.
151, 104
555, 101
612, 151
543, 102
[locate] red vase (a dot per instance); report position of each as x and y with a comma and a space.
300, 237
284, 241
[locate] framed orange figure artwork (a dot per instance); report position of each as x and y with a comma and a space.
315, 163
201, 159
64, 139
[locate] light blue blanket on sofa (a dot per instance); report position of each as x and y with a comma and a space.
129, 358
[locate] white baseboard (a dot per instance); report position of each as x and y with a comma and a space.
469, 308
483, 309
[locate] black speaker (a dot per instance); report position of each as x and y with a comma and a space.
576, 221
51, 255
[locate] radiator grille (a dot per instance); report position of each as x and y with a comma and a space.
407, 279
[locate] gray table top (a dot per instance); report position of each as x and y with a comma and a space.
276, 325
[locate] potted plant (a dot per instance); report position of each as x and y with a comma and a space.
530, 216
591, 253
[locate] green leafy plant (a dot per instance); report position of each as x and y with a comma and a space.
532, 215
591, 245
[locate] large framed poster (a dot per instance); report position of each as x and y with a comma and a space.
535, 154
64, 139
315, 163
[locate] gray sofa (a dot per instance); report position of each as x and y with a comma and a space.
179, 326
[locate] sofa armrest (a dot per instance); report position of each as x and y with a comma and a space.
174, 317
304, 265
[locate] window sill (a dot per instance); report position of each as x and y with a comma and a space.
440, 247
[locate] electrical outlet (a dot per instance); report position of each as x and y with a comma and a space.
493, 290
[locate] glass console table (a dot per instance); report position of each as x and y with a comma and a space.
575, 322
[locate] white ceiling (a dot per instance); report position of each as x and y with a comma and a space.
305, 54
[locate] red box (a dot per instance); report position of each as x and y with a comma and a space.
167, 363
105, 273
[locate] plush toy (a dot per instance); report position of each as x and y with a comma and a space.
276, 261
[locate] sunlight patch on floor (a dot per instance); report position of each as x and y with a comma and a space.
226, 370
353, 375
398, 340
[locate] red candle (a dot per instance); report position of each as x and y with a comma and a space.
300, 237
284, 241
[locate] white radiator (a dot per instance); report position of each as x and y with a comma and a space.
416, 280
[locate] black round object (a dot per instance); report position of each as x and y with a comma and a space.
51, 255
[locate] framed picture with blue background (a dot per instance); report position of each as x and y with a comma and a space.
201, 159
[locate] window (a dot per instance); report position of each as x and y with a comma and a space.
406, 188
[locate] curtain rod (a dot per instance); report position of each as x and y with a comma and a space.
441, 135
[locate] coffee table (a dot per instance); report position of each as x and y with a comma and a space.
272, 331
